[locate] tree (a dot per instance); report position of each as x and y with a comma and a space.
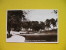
55, 11
42, 25
47, 23
35, 26
14, 18
26, 25
53, 22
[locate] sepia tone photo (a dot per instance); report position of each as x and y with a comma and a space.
32, 26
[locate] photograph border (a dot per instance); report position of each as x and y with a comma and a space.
34, 42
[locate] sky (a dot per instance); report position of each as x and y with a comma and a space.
40, 14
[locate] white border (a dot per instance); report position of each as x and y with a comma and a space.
34, 42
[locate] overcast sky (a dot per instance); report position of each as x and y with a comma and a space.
40, 15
